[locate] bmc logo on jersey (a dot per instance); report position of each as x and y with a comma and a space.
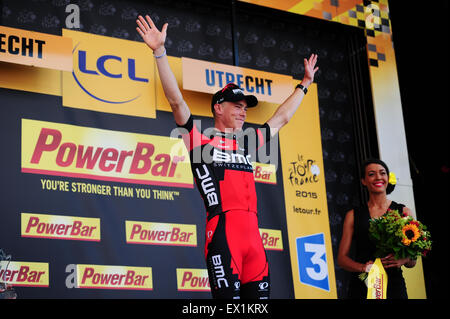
312, 261
219, 156
110, 75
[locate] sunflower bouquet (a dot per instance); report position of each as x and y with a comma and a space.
399, 234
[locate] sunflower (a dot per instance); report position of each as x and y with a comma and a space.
410, 234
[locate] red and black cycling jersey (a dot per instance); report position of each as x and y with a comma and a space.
221, 163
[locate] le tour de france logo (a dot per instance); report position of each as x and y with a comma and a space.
302, 172
109, 75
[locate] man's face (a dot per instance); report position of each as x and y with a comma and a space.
234, 114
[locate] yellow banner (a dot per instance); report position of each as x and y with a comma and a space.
189, 279
306, 202
60, 227
271, 238
161, 234
200, 102
67, 150
114, 277
22, 273
110, 75
209, 77
36, 49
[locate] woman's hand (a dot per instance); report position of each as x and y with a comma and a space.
389, 262
154, 38
367, 266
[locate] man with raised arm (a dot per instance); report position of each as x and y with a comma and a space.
235, 256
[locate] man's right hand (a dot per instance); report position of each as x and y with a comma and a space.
154, 38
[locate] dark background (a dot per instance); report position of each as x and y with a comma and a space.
420, 36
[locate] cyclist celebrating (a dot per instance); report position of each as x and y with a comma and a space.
235, 256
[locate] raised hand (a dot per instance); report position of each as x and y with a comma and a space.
310, 69
154, 38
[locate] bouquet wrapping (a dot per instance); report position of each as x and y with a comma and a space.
377, 281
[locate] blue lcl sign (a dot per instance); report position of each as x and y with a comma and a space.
312, 261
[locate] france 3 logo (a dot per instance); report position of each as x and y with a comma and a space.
312, 261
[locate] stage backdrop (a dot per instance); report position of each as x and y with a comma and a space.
98, 200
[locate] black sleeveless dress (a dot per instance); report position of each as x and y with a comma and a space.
365, 251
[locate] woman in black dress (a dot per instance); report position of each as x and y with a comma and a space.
356, 232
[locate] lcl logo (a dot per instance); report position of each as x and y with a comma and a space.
110, 75
101, 62
108, 66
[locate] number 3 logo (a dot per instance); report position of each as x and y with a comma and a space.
312, 261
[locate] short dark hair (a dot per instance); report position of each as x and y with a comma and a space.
390, 187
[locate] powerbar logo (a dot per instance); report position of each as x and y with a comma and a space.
60, 227
28, 274
160, 234
189, 279
74, 151
375, 284
265, 173
271, 239
378, 286
109, 277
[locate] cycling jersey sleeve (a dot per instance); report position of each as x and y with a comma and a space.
192, 137
188, 125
